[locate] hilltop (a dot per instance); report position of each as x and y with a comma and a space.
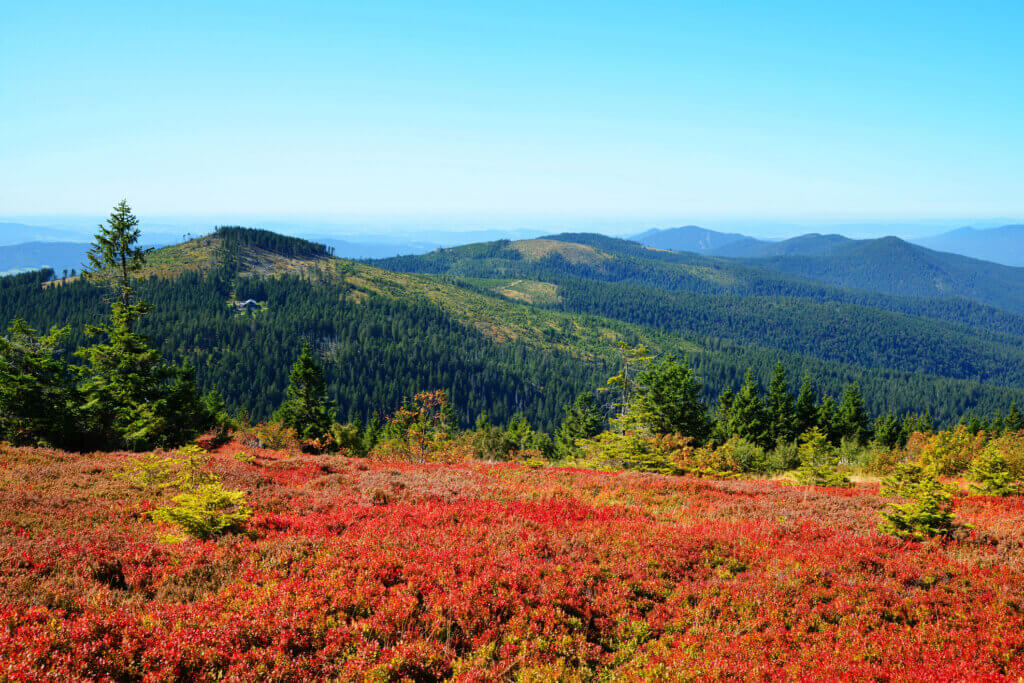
894, 266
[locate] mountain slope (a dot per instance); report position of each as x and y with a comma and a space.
1004, 245
721, 299
688, 238
809, 244
514, 343
893, 266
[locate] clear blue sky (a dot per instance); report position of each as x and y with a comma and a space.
658, 111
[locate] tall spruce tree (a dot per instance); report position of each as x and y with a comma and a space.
307, 409
131, 398
805, 414
853, 420
1013, 422
828, 419
747, 415
779, 404
115, 256
38, 399
583, 420
668, 400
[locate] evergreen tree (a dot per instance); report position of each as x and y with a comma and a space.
668, 400
828, 419
819, 462
889, 431
307, 409
131, 398
1013, 422
852, 418
583, 420
634, 360
115, 256
38, 398
779, 404
124, 388
806, 410
747, 416
990, 475
723, 417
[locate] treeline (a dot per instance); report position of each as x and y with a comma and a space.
293, 247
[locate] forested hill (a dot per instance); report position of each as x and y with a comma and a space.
893, 266
741, 306
509, 327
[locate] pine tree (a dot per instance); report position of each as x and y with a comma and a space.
990, 475
583, 420
779, 405
828, 419
1013, 422
852, 418
634, 360
806, 410
307, 409
131, 398
720, 432
115, 256
819, 462
747, 415
668, 400
889, 431
38, 399
929, 511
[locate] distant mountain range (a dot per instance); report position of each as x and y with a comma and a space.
1003, 245
35, 255
1000, 245
689, 238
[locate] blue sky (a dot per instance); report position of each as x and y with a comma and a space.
525, 113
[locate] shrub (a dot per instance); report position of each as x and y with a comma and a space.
630, 450
950, 452
819, 462
990, 475
191, 465
151, 470
207, 511
750, 457
929, 511
269, 435
904, 480
878, 459
785, 457
1011, 446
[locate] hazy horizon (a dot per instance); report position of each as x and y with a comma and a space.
447, 229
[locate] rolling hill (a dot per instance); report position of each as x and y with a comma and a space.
689, 238
524, 326
809, 244
893, 266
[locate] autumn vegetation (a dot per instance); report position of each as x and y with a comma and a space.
147, 533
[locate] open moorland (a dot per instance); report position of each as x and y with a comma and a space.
355, 568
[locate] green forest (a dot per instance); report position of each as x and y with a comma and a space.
461, 326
